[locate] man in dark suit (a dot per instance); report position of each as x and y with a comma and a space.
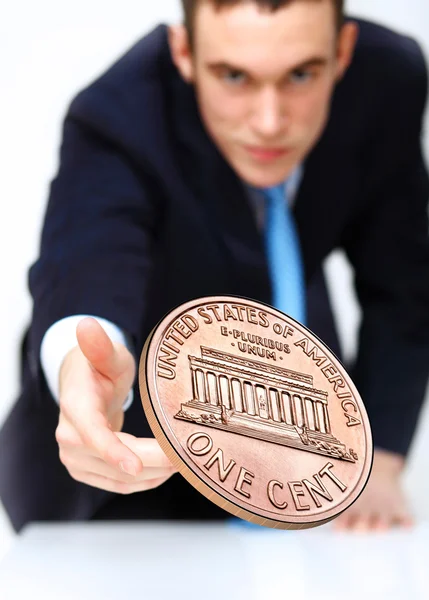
156, 202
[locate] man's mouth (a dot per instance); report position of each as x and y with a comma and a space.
266, 154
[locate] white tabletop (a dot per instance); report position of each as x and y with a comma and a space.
94, 561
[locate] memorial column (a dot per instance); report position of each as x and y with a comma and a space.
326, 415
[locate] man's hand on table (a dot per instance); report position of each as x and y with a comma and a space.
383, 504
95, 379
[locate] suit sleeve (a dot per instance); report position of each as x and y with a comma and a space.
388, 246
95, 258
98, 234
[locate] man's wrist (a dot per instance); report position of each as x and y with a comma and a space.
389, 462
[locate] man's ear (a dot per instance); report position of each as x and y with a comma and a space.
181, 52
346, 46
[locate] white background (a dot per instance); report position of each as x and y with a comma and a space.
49, 51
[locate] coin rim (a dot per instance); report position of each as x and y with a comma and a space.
192, 476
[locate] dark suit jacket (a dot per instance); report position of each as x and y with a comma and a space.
144, 214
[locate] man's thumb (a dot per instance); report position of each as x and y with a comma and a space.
99, 350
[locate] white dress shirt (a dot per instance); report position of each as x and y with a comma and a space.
61, 336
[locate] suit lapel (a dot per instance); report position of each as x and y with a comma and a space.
329, 189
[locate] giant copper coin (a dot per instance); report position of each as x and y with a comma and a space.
256, 412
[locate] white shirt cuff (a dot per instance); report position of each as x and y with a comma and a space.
61, 338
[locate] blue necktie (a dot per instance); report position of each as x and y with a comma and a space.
284, 254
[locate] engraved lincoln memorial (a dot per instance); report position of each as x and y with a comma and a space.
262, 401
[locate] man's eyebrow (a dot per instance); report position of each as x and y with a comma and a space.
315, 61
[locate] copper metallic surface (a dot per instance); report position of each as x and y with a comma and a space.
256, 412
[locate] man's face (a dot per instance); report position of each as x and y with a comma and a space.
264, 82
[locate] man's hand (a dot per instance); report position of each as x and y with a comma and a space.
382, 505
95, 379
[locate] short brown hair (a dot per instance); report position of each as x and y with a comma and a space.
189, 7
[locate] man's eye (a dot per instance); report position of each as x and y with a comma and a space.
234, 77
301, 76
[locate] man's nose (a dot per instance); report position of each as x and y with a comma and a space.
269, 113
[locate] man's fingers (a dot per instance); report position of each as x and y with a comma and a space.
118, 487
147, 449
340, 524
406, 521
97, 466
99, 350
361, 524
371, 522
344, 522
98, 437
380, 523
